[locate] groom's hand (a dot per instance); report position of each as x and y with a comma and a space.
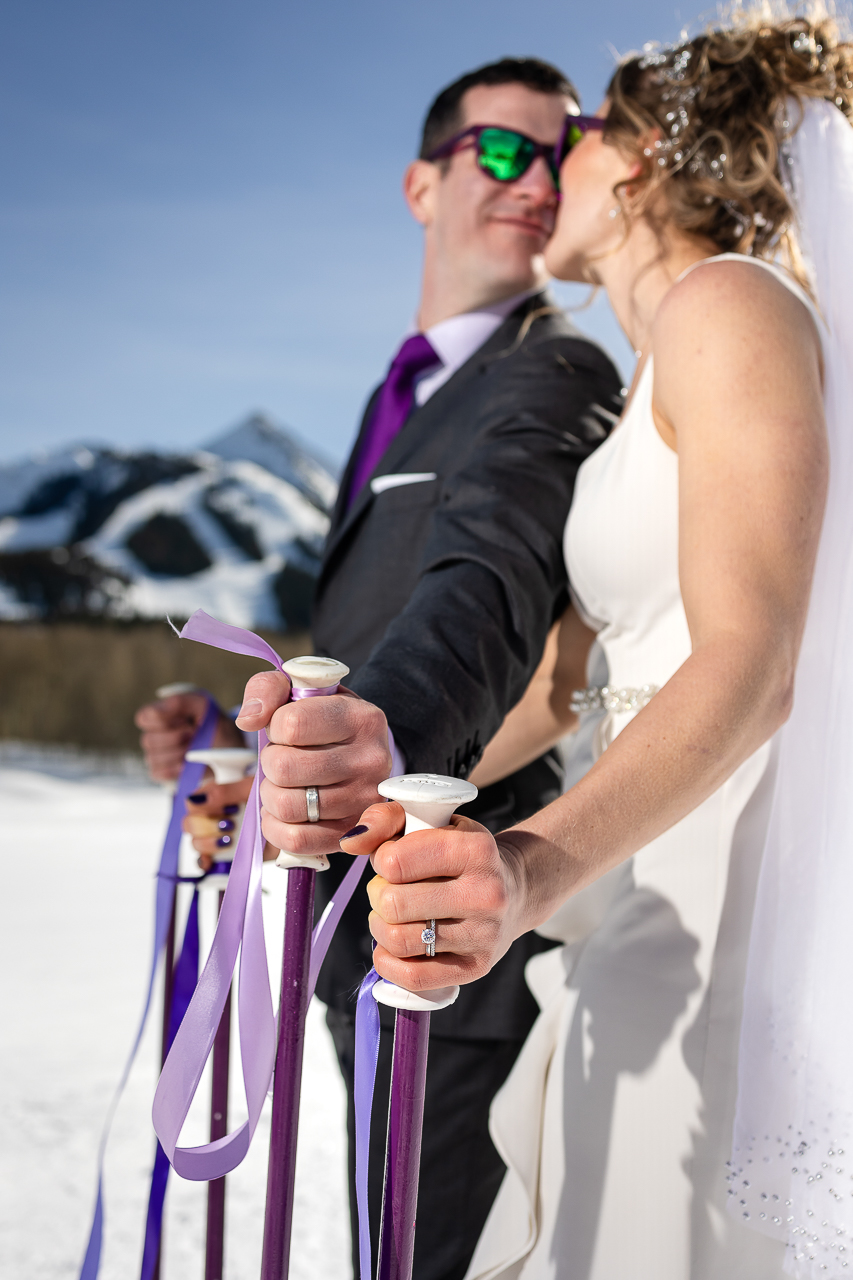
337, 743
457, 876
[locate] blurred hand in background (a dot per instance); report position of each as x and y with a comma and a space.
167, 729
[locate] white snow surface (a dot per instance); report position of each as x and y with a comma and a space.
79, 848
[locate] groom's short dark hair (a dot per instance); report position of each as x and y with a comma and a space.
444, 117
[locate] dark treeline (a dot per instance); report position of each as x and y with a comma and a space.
80, 682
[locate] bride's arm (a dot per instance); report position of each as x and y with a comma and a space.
544, 714
738, 383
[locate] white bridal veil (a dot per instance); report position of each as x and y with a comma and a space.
792, 1166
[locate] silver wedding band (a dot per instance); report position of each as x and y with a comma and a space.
428, 938
312, 801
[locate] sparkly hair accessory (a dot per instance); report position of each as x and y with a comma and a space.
805, 44
672, 63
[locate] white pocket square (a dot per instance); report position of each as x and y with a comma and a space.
380, 483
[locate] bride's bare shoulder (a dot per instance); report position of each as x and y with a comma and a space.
718, 284
728, 307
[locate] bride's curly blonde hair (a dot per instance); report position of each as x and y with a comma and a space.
720, 108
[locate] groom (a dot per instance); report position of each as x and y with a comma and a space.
442, 574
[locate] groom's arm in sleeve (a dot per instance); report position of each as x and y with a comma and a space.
492, 575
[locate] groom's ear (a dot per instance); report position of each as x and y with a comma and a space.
420, 183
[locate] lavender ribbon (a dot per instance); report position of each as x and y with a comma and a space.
239, 929
367, 1032
191, 776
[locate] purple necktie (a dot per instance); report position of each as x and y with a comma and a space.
392, 407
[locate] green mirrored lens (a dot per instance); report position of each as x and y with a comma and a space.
571, 138
503, 154
575, 132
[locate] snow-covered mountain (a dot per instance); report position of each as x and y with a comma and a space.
258, 440
235, 528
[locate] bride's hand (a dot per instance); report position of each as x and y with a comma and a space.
459, 876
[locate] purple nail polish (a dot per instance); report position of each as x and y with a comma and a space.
198, 797
225, 824
230, 808
223, 842
356, 831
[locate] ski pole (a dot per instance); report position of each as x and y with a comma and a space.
164, 901
429, 801
239, 934
169, 691
228, 764
309, 677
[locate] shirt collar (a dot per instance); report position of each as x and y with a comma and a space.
457, 338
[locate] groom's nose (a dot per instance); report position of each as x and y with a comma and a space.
536, 186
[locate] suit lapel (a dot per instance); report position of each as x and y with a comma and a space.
420, 424
424, 421
339, 511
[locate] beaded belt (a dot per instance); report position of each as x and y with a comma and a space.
604, 698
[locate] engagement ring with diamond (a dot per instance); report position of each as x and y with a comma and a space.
428, 938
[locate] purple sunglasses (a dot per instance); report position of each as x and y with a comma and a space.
506, 154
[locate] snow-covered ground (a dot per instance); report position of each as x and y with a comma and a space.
78, 850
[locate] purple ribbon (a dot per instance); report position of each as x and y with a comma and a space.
183, 986
185, 978
393, 406
191, 776
239, 930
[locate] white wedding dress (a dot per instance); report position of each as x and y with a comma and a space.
616, 1122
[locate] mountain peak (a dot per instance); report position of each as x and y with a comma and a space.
236, 528
259, 439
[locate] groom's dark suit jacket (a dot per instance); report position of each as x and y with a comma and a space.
439, 595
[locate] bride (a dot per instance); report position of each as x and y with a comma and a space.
712, 197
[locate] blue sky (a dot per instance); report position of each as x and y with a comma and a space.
201, 214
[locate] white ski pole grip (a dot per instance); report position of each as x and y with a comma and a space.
430, 800
307, 674
227, 764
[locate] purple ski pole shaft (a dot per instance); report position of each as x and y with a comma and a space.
403, 1153
281, 1174
168, 986
168, 979
214, 1248
228, 764
429, 801
310, 677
